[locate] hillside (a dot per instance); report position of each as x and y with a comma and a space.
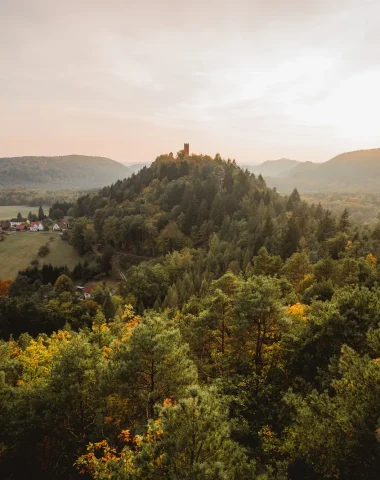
357, 171
197, 202
274, 168
70, 171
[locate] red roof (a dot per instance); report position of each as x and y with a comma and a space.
89, 288
35, 223
21, 227
5, 225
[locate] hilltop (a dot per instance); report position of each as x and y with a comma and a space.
357, 171
196, 202
70, 171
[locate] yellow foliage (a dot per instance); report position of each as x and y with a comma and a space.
107, 352
298, 311
125, 436
37, 358
129, 313
371, 259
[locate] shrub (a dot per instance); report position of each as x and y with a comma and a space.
44, 250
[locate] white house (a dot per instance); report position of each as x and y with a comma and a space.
13, 222
36, 227
60, 226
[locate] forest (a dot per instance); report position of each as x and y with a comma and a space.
60, 173
242, 341
37, 197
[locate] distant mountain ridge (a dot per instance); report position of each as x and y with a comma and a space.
274, 168
69, 171
136, 167
357, 171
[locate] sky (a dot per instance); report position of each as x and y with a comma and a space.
129, 80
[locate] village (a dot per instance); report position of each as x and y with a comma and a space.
20, 224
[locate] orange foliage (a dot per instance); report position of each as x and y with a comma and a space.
91, 306
125, 436
4, 287
371, 259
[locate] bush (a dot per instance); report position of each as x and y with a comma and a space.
44, 250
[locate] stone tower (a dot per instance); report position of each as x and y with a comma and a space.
186, 149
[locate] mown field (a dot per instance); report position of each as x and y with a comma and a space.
11, 211
20, 248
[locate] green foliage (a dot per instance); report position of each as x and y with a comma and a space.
254, 354
63, 284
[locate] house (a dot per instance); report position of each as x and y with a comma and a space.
88, 290
60, 226
36, 227
21, 228
5, 225
13, 222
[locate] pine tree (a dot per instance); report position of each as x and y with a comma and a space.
344, 223
158, 361
293, 201
109, 309
41, 214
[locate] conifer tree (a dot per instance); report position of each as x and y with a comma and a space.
41, 214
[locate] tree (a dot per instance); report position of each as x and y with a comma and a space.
296, 268
79, 239
158, 360
344, 222
109, 309
19, 217
264, 264
190, 440
57, 214
41, 214
293, 201
43, 250
337, 434
4, 287
63, 284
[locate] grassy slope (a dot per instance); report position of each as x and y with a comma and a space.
20, 248
8, 212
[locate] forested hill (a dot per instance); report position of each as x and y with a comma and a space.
181, 202
70, 171
218, 211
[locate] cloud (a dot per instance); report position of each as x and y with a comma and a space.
252, 79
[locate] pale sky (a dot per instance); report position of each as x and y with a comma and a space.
252, 80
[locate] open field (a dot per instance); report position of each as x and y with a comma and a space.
20, 248
11, 211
